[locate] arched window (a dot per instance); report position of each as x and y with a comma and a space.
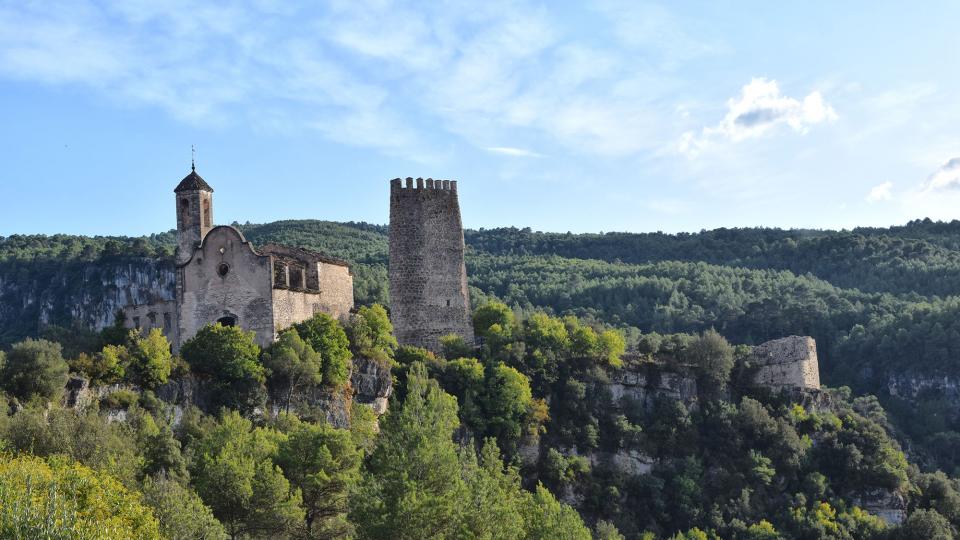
229, 320
206, 212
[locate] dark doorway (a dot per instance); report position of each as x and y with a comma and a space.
227, 321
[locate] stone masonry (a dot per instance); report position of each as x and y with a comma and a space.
428, 277
789, 362
221, 277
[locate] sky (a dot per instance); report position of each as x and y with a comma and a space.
559, 116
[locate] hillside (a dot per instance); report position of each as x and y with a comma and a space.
882, 303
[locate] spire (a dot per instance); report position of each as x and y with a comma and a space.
193, 181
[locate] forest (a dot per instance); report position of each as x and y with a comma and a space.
520, 437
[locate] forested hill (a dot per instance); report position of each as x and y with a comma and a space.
882, 303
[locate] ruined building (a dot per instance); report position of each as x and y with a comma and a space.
221, 277
428, 277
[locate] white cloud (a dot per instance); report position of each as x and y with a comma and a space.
947, 177
881, 192
509, 151
760, 110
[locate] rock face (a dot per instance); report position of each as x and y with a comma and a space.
648, 382
372, 384
888, 505
785, 363
428, 277
88, 293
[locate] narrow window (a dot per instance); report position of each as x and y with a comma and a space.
206, 213
136, 322
448, 303
166, 321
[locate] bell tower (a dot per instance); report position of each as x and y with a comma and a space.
194, 200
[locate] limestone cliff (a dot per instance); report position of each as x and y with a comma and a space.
89, 293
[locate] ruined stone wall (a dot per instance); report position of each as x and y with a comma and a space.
243, 292
428, 278
291, 307
145, 317
336, 290
789, 362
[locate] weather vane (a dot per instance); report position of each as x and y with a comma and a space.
193, 158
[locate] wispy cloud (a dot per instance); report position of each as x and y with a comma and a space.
393, 76
881, 192
947, 177
515, 152
760, 110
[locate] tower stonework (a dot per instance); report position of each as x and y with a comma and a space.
194, 198
428, 277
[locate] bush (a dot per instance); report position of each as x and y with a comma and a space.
57, 499
34, 368
229, 356
328, 338
121, 399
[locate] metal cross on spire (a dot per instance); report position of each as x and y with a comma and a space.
193, 158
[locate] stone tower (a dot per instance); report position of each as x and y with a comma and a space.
428, 278
194, 198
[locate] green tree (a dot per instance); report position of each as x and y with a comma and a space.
292, 364
371, 332
180, 511
324, 464
508, 405
547, 518
34, 368
328, 338
411, 486
454, 346
494, 500
234, 474
712, 356
150, 359
493, 320
228, 356
925, 525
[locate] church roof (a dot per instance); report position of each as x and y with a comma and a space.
193, 182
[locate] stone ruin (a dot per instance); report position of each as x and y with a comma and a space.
428, 276
787, 363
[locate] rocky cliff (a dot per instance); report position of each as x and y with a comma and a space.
34, 295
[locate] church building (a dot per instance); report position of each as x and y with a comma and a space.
221, 277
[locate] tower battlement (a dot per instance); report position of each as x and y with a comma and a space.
428, 277
419, 183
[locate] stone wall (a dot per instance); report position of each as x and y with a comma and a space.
243, 292
145, 317
336, 290
428, 277
789, 362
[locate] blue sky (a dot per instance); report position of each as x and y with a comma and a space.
615, 115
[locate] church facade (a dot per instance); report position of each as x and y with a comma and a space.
221, 277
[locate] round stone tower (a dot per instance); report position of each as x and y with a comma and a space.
194, 199
428, 277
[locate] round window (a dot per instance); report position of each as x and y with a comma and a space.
223, 269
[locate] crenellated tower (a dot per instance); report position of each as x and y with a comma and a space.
428, 277
194, 199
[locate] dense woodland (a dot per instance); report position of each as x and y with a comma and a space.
560, 314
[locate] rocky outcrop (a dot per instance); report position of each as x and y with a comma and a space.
647, 382
891, 506
372, 384
785, 363
87, 293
